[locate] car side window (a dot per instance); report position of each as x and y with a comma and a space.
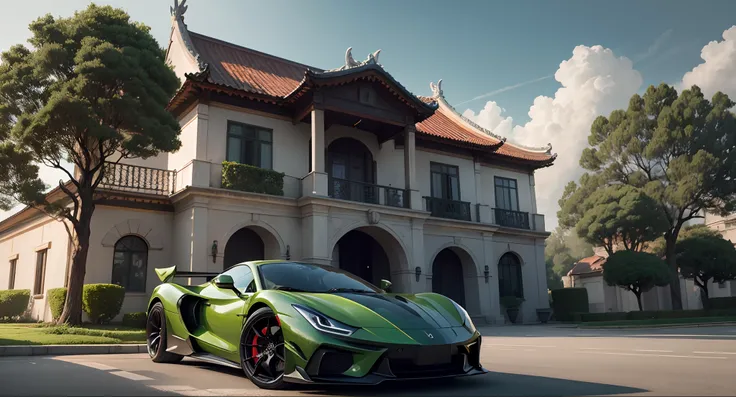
242, 278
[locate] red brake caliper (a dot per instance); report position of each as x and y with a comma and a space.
254, 349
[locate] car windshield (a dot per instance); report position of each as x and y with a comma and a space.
304, 277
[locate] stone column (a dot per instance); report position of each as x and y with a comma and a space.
533, 193
315, 234
315, 184
410, 168
483, 214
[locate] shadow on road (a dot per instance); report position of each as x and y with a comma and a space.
727, 333
491, 384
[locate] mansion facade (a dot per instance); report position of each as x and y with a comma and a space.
343, 167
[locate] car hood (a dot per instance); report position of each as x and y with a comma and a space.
374, 310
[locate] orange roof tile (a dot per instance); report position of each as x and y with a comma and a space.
591, 264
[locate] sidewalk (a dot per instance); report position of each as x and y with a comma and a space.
60, 350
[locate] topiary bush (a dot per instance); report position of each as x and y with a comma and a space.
135, 320
248, 178
568, 301
14, 302
102, 302
57, 298
728, 302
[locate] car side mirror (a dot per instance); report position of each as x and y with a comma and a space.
386, 285
225, 281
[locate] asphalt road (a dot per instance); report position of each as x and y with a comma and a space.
523, 360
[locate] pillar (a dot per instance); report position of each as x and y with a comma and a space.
315, 226
410, 168
315, 184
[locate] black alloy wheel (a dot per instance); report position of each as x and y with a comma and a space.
262, 350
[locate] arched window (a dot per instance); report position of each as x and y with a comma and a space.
509, 276
129, 264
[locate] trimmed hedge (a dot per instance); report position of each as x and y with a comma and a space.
14, 302
653, 315
135, 320
102, 302
566, 302
728, 302
248, 178
57, 298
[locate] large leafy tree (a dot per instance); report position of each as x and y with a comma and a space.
562, 249
92, 89
677, 149
658, 246
637, 272
705, 258
620, 216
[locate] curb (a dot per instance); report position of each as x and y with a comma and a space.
62, 350
660, 326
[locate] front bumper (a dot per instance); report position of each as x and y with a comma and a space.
331, 364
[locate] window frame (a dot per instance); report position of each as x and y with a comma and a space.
497, 186
126, 281
12, 272
243, 139
39, 279
505, 283
445, 187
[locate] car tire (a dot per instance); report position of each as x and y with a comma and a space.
156, 327
246, 339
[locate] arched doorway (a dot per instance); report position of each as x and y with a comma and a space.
360, 254
447, 276
244, 245
350, 166
509, 276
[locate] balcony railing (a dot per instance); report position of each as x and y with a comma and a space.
362, 192
135, 178
444, 208
509, 218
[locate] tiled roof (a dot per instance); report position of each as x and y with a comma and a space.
591, 264
255, 72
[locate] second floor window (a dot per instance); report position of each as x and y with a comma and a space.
445, 181
507, 194
247, 144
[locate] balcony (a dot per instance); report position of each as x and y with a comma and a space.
138, 179
369, 193
509, 218
451, 209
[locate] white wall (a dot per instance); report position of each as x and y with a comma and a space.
187, 151
24, 242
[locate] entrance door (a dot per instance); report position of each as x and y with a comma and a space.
363, 256
447, 276
245, 245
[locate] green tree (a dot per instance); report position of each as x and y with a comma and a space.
92, 89
620, 215
678, 149
562, 249
705, 258
658, 246
637, 272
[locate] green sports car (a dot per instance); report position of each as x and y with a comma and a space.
283, 321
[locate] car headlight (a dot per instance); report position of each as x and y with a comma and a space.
323, 323
465, 316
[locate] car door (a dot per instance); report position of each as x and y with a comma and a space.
224, 309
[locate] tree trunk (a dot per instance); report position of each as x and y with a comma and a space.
704, 296
638, 299
670, 254
72, 313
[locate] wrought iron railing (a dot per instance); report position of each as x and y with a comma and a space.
362, 192
135, 178
509, 218
444, 208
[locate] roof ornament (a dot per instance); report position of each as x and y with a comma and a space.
436, 89
178, 10
351, 63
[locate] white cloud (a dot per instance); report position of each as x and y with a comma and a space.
718, 70
594, 82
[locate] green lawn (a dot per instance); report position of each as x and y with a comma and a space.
657, 322
42, 334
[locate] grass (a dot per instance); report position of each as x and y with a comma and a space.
657, 322
46, 334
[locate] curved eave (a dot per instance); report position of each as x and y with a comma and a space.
371, 72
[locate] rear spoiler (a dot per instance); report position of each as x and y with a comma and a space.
167, 274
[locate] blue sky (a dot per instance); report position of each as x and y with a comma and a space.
524, 53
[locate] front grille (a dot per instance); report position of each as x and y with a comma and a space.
425, 361
329, 362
